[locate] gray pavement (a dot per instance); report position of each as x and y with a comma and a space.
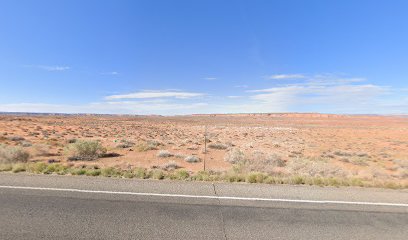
49, 207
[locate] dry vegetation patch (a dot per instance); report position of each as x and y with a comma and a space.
85, 150
10, 154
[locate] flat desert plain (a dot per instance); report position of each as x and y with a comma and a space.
316, 145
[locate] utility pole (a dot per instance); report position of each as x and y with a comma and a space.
205, 145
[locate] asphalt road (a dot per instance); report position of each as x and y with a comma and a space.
61, 207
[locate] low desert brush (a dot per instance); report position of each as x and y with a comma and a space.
10, 154
85, 150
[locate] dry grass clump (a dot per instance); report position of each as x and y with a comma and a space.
401, 163
85, 150
172, 165
157, 174
256, 177
342, 154
264, 159
148, 145
314, 168
180, 174
179, 155
219, 146
192, 159
72, 140
9, 154
235, 156
26, 144
164, 154
16, 138
401, 168
254, 161
359, 161
125, 144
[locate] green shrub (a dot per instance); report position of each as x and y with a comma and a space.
297, 180
139, 173
51, 168
356, 182
111, 172
157, 174
20, 167
270, 180
5, 167
233, 177
202, 176
85, 150
9, 154
255, 177
78, 171
180, 174
93, 172
36, 167
128, 174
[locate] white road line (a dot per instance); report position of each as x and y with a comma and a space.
209, 197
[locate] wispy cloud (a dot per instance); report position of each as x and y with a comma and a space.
110, 73
155, 94
210, 78
319, 92
53, 68
241, 86
286, 76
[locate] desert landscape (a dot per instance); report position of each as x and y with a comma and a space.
360, 149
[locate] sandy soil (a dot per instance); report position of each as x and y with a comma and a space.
363, 146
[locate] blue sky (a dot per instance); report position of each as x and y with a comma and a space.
204, 56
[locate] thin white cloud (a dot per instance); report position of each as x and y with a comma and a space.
318, 93
286, 76
54, 68
241, 86
110, 73
335, 98
210, 78
155, 94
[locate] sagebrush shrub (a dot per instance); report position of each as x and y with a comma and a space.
192, 159
170, 166
9, 154
235, 156
219, 146
85, 150
164, 154
125, 144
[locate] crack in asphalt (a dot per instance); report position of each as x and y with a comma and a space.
222, 215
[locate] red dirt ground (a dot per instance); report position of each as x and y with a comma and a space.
365, 146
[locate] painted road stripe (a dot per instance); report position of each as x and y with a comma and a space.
208, 197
